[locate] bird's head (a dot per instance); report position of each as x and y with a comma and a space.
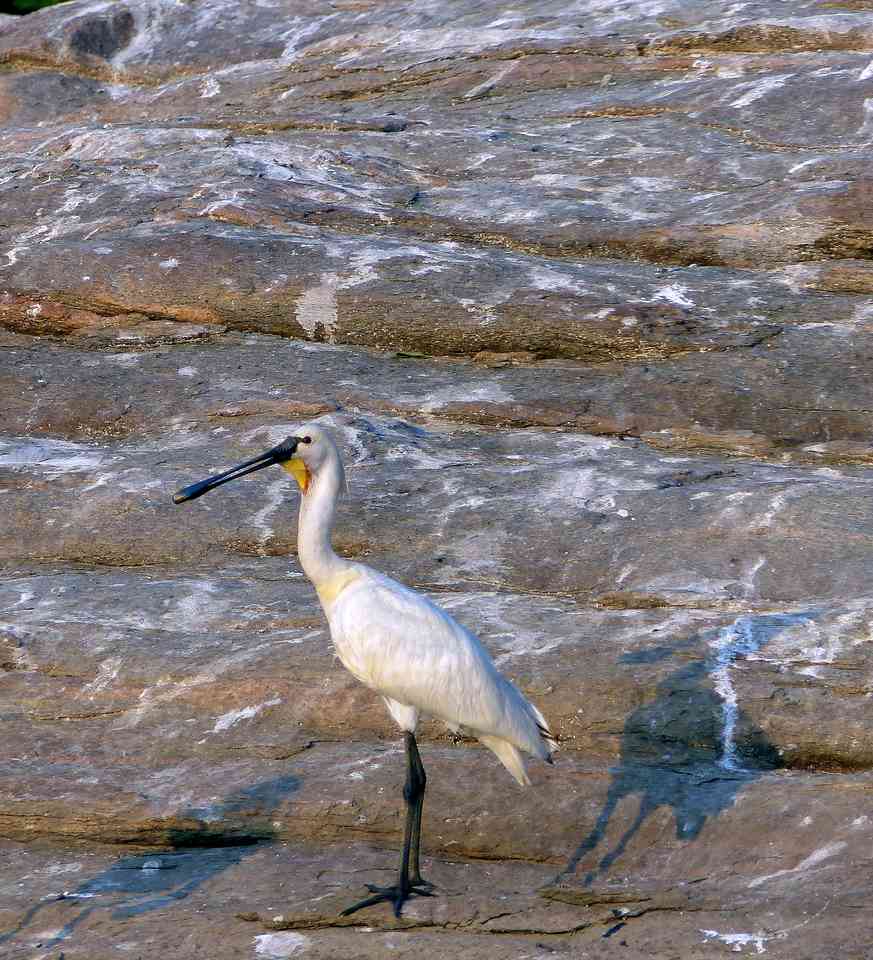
302, 455
315, 447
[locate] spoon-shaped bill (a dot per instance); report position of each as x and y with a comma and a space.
278, 454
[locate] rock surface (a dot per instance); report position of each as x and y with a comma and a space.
585, 293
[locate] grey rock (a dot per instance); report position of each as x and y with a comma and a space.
586, 294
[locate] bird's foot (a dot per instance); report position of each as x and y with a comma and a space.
396, 895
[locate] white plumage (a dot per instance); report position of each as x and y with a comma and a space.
397, 642
406, 648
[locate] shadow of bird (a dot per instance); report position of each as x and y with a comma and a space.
137, 884
690, 749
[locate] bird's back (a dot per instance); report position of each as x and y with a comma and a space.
411, 651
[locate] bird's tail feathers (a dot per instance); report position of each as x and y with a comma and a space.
543, 729
509, 755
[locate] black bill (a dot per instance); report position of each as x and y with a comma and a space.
278, 454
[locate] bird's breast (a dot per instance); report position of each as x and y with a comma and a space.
345, 606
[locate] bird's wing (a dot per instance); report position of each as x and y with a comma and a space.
407, 648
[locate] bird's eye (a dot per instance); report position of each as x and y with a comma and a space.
307, 440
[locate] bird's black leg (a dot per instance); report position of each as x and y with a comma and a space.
409, 881
417, 768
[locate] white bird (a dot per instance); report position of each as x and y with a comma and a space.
398, 643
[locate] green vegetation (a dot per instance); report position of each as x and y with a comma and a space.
25, 6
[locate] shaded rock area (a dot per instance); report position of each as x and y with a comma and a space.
585, 293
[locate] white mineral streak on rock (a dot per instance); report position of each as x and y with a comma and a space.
277, 162
430, 41
362, 267
517, 641
294, 641
297, 33
730, 72
750, 575
804, 164
54, 457
419, 459
169, 264
545, 277
276, 496
699, 69
233, 198
596, 487
211, 88
58, 225
23, 244
517, 612
622, 199
866, 127
822, 646
491, 82
55, 869
816, 857
796, 276
488, 392
194, 611
44, 936
778, 502
483, 310
788, 637
478, 160
20, 656
227, 720
760, 88
867, 72
736, 639
72, 200
317, 308
106, 673
278, 281
574, 445
277, 946
674, 293
167, 690
737, 941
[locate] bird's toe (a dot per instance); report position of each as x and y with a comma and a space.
396, 895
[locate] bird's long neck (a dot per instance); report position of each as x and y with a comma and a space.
315, 525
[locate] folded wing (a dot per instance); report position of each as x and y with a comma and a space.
408, 649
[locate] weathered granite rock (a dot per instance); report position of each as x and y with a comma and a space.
586, 293
275, 899
180, 652
735, 528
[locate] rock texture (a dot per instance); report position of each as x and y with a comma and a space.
585, 291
